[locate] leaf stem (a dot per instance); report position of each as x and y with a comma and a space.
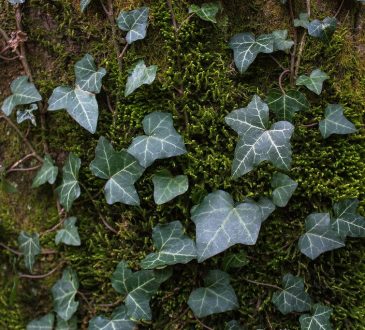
293, 54
10, 249
273, 286
41, 276
309, 125
339, 8
202, 324
286, 71
277, 62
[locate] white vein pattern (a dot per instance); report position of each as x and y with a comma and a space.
135, 23
88, 77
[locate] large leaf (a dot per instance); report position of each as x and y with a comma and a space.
161, 139
173, 246
43, 323
134, 22
69, 190
30, 247
84, 4
335, 122
67, 325
118, 321
167, 187
141, 75
322, 29
216, 297
286, 105
23, 92
27, 114
206, 12
120, 169
69, 234
320, 237
292, 298
220, 224
257, 143
47, 173
319, 320
284, 188
314, 82
64, 293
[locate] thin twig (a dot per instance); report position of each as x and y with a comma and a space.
281, 80
299, 56
202, 324
277, 62
185, 21
309, 125
25, 169
57, 225
91, 309
8, 58
17, 163
10, 249
339, 8
120, 57
273, 286
293, 54
174, 23
38, 277
308, 2
118, 302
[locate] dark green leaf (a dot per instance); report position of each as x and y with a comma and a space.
322, 29
206, 12
27, 114
302, 21
134, 22
141, 75
30, 247
167, 187
67, 325
47, 173
314, 82
235, 260
43, 323
319, 320
69, 235
118, 321
284, 188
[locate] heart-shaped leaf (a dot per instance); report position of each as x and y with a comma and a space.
167, 187
319, 320
302, 21
281, 41
322, 29
220, 224
135, 23
84, 4
173, 246
47, 173
284, 188
292, 298
161, 140
335, 122
71, 324
30, 247
27, 114
118, 321
235, 260
120, 169
314, 82
206, 12
43, 323
23, 92
141, 75
69, 234
217, 296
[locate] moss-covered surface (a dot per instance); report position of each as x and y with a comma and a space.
198, 62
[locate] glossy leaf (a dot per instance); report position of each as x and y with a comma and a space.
67, 325
206, 12
161, 140
322, 29
216, 297
314, 82
47, 173
27, 114
141, 75
167, 187
135, 23
284, 188
30, 247
319, 320
235, 260
173, 246
118, 321
43, 323
84, 4
302, 21
69, 234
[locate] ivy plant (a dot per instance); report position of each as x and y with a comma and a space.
27, 115
119, 320
207, 11
322, 29
318, 320
30, 247
314, 82
47, 173
284, 188
44, 322
69, 234
135, 23
140, 75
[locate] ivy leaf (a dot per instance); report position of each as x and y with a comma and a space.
302, 21
23, 92
235, 260
347, 221
67, 325
280, 40
16, 2
84, 4
286, 105
47, 173
265, 204
141, 75
173, 246
119, 320
161, 139
216, 297
206, 12
88, 76
284, 188
314, 82
43, 323
30, 247
69, 190
292, 298
319, 320
335, 122
64, 293
320, 237
233, 325
135, 23
7, 186
120, 169
167, 187
220, 224
69, 235
322, 29
256, 143
27, 114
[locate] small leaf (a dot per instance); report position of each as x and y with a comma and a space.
319, 320
47, 173
173, 246
141, 75
135, 23
161, 140
69, 235
167, 187
43, 323
7, 186
206, 12
322, 29
118, 321
281, 42
217, 296
284, 188
23, 92
314, 82
302, 21
64, 293
66, 325
16, 2
292, 298
27, 114
320, 237
29, 246
84, 4
233, 325
235, 260
69, 190
335, 122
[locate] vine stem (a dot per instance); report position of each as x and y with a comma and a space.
41, 276
25, 169
118, 302
10, 249
202, 324
277, 62
273, 286
309, 125
281, 80
173, 18
339, 8
293, 54
308, 3
86, 300
17, 163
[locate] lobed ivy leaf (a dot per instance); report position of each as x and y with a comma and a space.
27, 114
84, 4
141, 75
161, 140
43, 323
320, 237
135, 23
322, 29
292, 298
220, 224
206, 12
319, 320
335, 122
314, 82
285, 105
166, 187
217, 296
174, 247
69, 190
64, 292
257, 143
23, 92
284, 188
302, 21
30, 247
120, 169
281, 41
233, 325
118, 321
47, 173
69, 234
235, 260
67, 325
